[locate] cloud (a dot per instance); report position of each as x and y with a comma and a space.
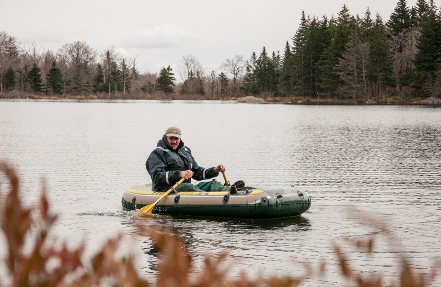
165, 35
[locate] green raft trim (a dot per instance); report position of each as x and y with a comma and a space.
270, 209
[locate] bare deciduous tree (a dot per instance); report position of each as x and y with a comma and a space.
353, 69
190, 67
80, 59
108, 59
128, 72
192, 73
9, 54
403, 46
47, 59
235, 67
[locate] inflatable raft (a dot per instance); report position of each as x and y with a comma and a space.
247, 202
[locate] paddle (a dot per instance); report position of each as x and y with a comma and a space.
147, 210
227, 183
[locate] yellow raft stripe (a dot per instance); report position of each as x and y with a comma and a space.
256, 192
137, 191
212, 193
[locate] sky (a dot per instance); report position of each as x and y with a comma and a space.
162, 32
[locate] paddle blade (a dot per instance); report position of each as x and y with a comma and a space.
145, 211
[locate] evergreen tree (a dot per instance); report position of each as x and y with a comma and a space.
265, 73
99, 85
420, 11
299, 57
381, 73
165, 81
22, 79
223, 80
9, 55
286, 73
277, 67
9, 79
366, 27
199, 88
329, 80
125, 76
353, 67
250, 83
34, 78
316, 41
213, 84
115, 83
400, 19
428, 57
54, 80
402, 38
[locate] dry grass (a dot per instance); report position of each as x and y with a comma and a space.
46, 265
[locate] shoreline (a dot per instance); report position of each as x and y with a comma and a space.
245, 99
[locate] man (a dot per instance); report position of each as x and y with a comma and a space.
172, 160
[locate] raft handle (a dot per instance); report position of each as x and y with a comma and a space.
226, 198
134, 202
279, 196
177, 197
263, 199
300, 194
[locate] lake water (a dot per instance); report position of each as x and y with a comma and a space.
383, 160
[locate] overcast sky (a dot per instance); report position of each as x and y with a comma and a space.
160, 33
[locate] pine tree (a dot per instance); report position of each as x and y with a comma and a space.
381, 73
299, 57
99, 85
366, 27
55, 80
9, 79
286, 73
115, 78
165, 81
250, 83
265, 73
199, 88
400, 19
329, 80
34, 79
421, 11
126, 76
223, 80
402, 37
316, 41
428, 57
353, 67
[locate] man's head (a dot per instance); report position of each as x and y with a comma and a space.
173, 135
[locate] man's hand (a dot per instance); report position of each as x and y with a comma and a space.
219, 168
187, 174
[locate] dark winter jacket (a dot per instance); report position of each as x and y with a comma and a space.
164, 165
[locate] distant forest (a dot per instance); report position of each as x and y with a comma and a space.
346, 57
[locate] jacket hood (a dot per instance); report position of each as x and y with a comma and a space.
164, 143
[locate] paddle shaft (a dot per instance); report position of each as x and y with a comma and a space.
149, 208
225, 177
169, 191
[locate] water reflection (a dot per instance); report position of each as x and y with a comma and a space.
299, 223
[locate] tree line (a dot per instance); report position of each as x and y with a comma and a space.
344, 57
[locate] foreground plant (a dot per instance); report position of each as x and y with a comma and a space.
48, 262
407, 276
45, 264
